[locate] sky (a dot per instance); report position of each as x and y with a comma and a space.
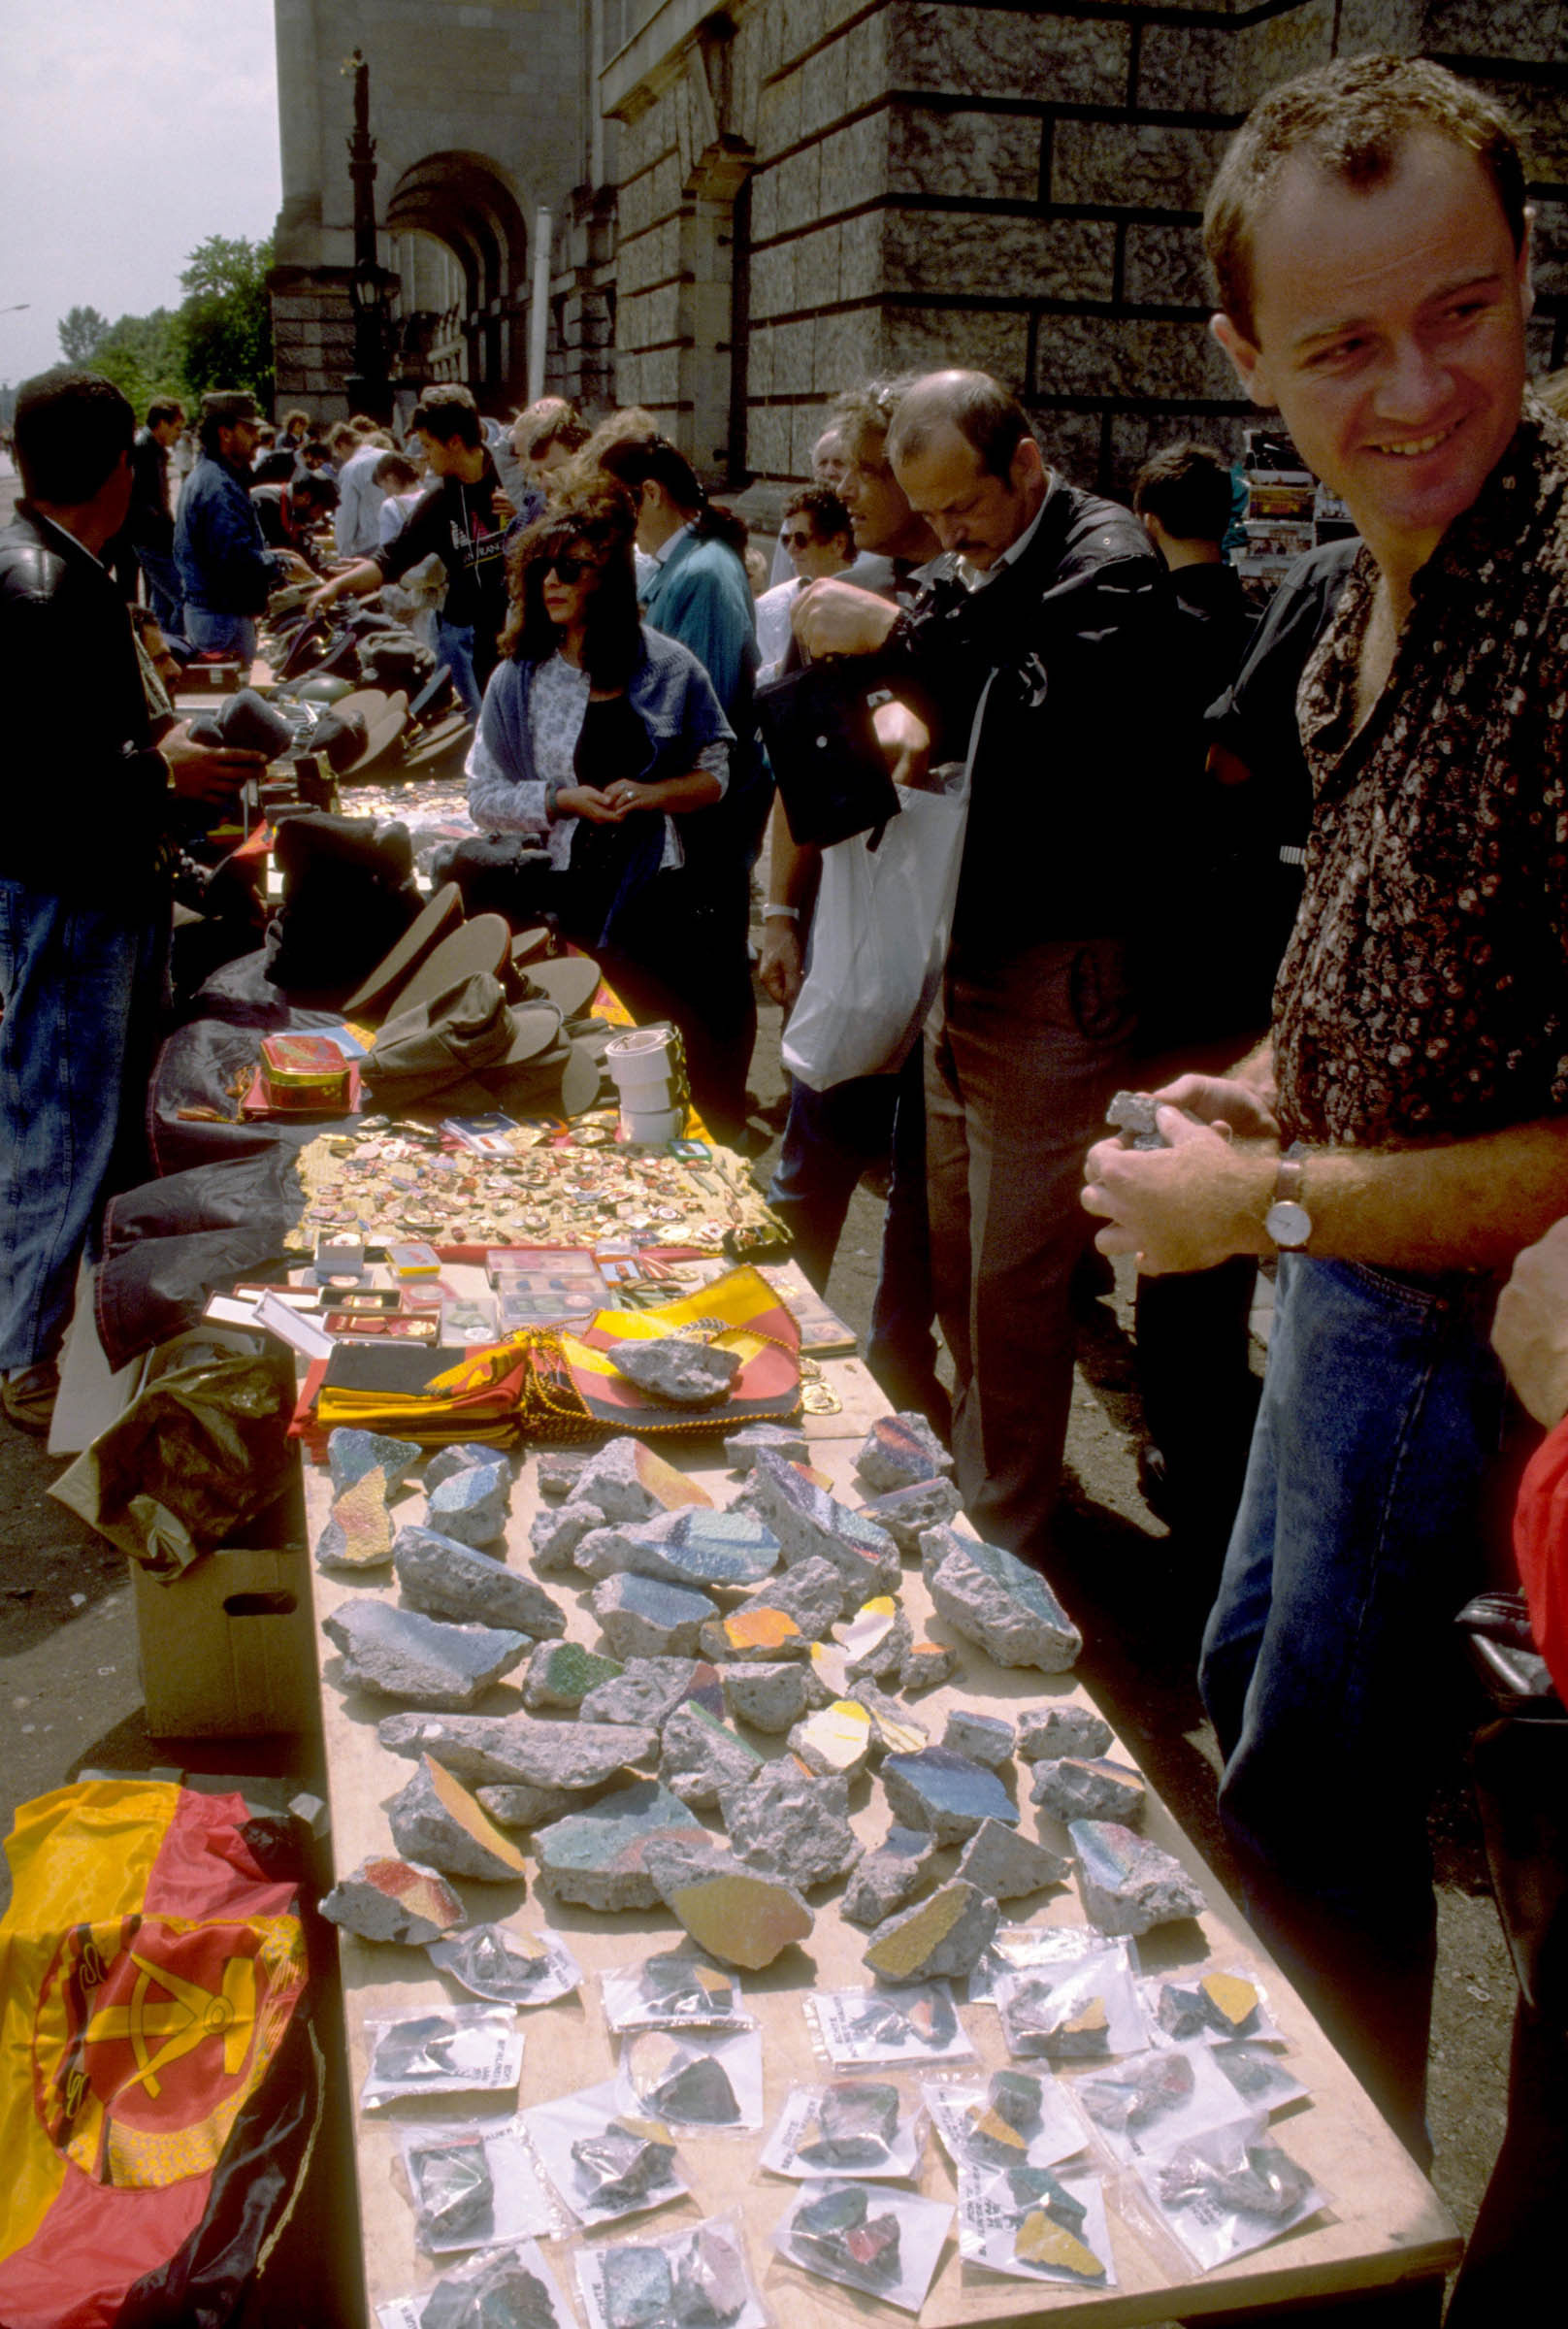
130, 130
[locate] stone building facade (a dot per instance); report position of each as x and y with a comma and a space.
756, 204
932, 181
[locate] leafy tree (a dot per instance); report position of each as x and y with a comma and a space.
80, 331
143, 355
224, 323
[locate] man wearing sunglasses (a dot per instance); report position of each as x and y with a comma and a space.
817, 536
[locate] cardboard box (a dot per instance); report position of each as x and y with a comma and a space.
226, 1648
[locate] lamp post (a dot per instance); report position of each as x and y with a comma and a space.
370, 284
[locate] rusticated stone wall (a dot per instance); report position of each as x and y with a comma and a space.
923, 181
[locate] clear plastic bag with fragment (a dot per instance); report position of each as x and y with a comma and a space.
604, 2161
870, 2127
1034, 2224
515, 1968
1149, 2102
912, 2024
703, 2086
474, 2185
1227, 2191
673, 1990
1016, 2118
698, 2277
458, 2050
1086, 2010
513, 2289
872, 2237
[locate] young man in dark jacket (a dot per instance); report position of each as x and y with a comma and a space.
227, 571
84, 903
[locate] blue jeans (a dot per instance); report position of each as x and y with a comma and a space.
164, 594
830, 1140
81, 987
454, 645
1329, 1668
220, 633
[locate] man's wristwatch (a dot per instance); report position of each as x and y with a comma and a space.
1288, 1221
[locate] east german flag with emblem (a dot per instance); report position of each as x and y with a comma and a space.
150, 1972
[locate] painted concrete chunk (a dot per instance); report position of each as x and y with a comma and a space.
898, 1451
926, 1664
1005, 1865
997, 1602
677, 1369
446, 1579
770, 1698
696, 1545
782, 1439
434, 1820
429, 1664
698, 1757
641, 1617
984, 1738
461, 1457
559, 1469
597, 1858
351, 1454
560, 1674
626, 1481
1046, 1733
646, 1691
503, 1750
838, 1739
942, 1937
811, 1523
812, 1593
513, 1805
946, 1793
385, 1900
472, 1505
905, 1512
556, 1531
1080, 1788
792, 1824
1129, 1885
753, 1633
887, 1878
893, 1728
739, 1914
358, 1531
874, 1640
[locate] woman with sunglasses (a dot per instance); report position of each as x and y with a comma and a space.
597, 738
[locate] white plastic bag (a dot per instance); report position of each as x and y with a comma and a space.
881, 935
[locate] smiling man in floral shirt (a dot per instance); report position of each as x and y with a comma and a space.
1404, 1134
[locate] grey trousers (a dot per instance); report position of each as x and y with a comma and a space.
1023, 1054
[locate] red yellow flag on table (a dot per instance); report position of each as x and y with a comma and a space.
149, 1972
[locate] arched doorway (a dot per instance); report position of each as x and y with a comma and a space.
460, 202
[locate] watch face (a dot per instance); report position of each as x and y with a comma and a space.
1288, 1223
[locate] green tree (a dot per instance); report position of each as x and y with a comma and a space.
224, 323
80, 331
143, 355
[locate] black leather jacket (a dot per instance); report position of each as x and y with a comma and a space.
87, 795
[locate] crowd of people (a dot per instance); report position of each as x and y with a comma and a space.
1167, 796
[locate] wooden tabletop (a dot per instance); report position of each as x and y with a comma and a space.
1384, 2224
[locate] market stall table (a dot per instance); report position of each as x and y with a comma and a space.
1384, 2224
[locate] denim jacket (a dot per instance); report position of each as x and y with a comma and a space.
225, 567
669, 690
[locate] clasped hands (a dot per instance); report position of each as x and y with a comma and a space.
1195, 1204
609, 805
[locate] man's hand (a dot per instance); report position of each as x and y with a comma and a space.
1184, 1207
1222, 1102
300, 567
211, 774
1530, 1330
782, 968
834, 618
504, 507
905, 738
587, 801
320, 600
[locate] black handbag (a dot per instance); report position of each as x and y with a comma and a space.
832, 774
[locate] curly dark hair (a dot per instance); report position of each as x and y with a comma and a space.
598, 522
